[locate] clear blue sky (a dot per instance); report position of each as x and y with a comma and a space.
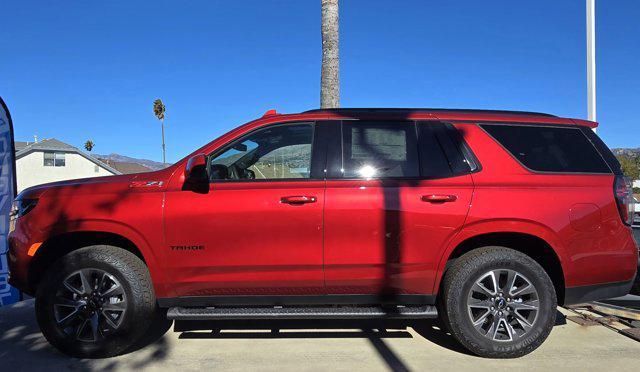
80, 70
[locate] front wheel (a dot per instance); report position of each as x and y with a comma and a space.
95, 302
498, 302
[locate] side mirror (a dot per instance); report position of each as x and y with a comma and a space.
195, 173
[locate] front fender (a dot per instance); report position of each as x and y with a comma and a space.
124, 231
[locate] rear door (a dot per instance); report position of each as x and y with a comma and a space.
396, 193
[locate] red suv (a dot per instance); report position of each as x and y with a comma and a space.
488, 218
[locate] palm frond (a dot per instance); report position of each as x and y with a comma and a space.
158, 109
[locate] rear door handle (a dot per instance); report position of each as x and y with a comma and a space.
438, 198
298, 199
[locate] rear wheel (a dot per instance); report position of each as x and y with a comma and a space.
95, 302
498, 302
635, 289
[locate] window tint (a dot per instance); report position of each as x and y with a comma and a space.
441, 151
379, 150
602, 148
279, 152
549, 149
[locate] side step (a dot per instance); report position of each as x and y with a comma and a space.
300, 312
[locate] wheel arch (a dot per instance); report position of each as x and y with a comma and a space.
61, 243
533, 245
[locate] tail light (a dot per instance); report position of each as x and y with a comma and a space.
624, 198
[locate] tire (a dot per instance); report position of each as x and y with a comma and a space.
635, 289
520, 330
112, 318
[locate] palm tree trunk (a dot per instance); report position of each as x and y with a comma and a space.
164, 159
330, 79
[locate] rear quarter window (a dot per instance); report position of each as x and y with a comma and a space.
549, 148
443, 153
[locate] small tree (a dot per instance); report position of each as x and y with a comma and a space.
629, 166
88, 145
158, 110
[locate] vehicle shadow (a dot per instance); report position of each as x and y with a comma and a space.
374, 330
629, 301
23, 348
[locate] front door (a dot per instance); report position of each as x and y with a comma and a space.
258, 230
393, 201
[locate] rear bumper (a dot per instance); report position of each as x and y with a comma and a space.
586, 293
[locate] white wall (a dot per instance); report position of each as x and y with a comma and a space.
30, 169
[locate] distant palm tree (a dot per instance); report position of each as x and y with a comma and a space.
158, 110
330, 75
88, 145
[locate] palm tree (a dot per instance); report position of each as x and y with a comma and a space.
158, 110
330, 78
88, 145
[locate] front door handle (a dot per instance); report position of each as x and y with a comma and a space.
298, 199
438, 198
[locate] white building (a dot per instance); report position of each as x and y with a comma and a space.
51, 160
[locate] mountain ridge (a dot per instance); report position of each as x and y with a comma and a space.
627, 151
151, 164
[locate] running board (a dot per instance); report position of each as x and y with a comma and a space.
300, 312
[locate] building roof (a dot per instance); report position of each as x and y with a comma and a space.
52, 144
126, 167
21, 144
49, 144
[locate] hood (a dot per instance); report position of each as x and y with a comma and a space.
119, 183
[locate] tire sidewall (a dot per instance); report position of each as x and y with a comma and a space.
135, 320
457, 312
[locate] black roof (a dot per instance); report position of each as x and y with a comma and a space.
434, 110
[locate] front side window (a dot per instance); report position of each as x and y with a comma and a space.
54, 159
379, 150
280, 152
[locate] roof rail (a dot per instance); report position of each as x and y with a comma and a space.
398, 110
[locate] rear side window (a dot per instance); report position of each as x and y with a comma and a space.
602, 148
379, 150
442, 151
549, 149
